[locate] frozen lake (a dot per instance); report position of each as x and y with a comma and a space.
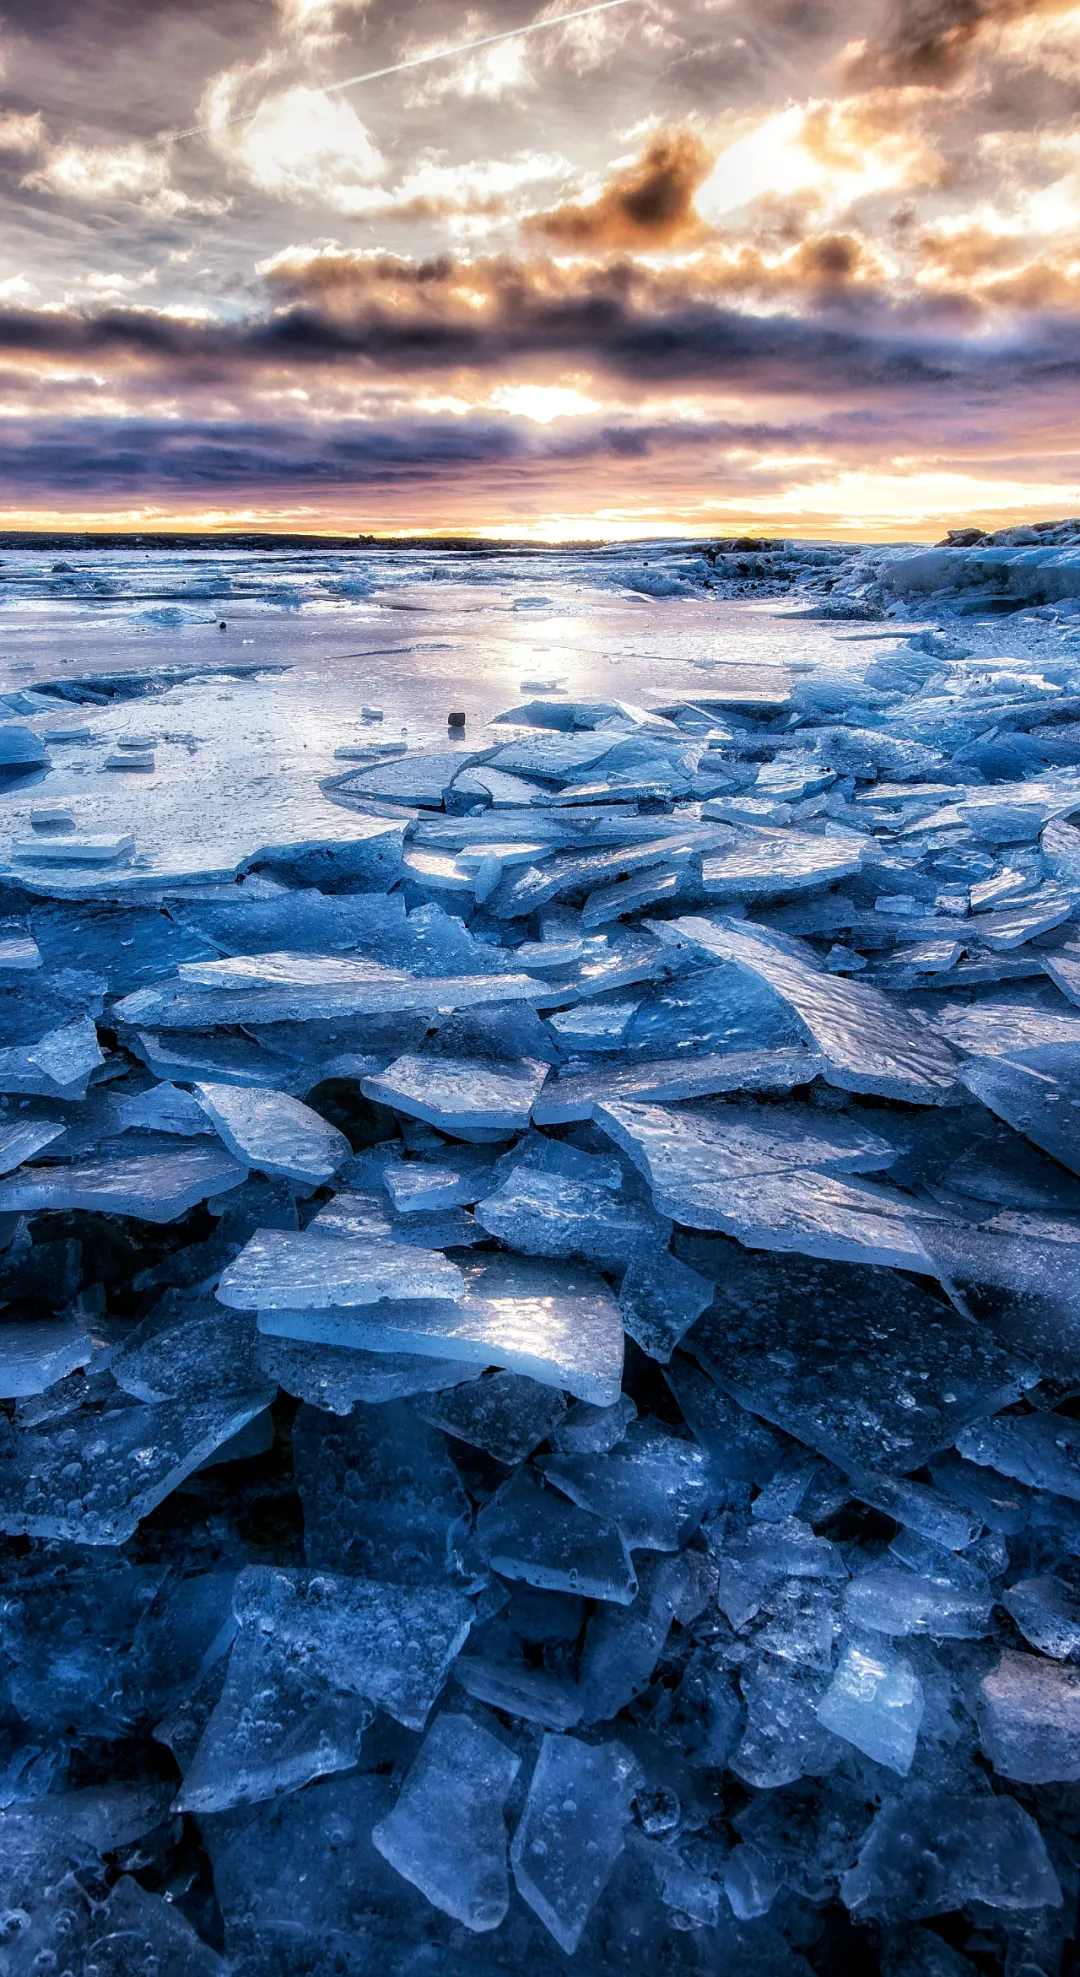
413, 633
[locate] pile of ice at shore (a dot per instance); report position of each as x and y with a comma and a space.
539, 1424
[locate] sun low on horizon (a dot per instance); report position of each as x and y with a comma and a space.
707, 270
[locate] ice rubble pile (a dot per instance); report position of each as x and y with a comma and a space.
540, 1422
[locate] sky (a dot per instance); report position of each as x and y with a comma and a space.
717, 267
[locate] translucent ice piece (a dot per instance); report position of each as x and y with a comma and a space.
546, 1215
188, 1346
36, 1352
1035, 1102
589, 1430
447, 1833
783, 1740
155, 1187
306, 988
459, 1094
653, 1486
740, 1447
660, 1298
419, 1186
280, 1271
58, 1065
1047, 1612
572, 1831
135, 1930
338, 1378
1029, 1719
1028, 1030
857, 1363
92, 1477
163, 1109
557, 1157
274, 1133
391, 1644
520, 1690
1041, 1450
573, 1095
380, 1494
870, 1044
278, 1724
875, 1701
422, 778
20, 1139
889, 1600
505, 1414
558, 1324
928, 1853
775, 863
623, 1645
680, 1149
531, 1532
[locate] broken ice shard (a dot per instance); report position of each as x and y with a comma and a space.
927, 1853
654, 1486
869, 1043
875, 1701
505, 1414
339, 1378
274, 1133
549, 1215
1042, 1450
280, 1271
858, 1363
572, 1831
278, 1724
155, 1187
381, 1495
1029, 1719
459, 1095
447, 1832
558, 1324
529, 1531
91, 1477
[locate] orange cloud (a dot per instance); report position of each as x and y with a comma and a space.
650, 205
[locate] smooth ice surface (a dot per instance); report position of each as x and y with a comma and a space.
274, 1133
447, 1832
279, 1271
155, 1187
869, 1043
460, 1093
1042, 1450
558, 1324
572, 1831
575, 1094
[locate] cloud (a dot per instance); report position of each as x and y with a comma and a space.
21, 136
930, 42
301, 145
121, 175
650, 204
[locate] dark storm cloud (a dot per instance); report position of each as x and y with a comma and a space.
139, 455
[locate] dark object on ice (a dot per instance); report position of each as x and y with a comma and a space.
222, 626
455, 719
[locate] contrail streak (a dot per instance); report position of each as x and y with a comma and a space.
398, 68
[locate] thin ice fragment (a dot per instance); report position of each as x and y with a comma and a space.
447, 1833
274, 1133
572, 1831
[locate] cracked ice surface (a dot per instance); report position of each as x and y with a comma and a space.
539, 1328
